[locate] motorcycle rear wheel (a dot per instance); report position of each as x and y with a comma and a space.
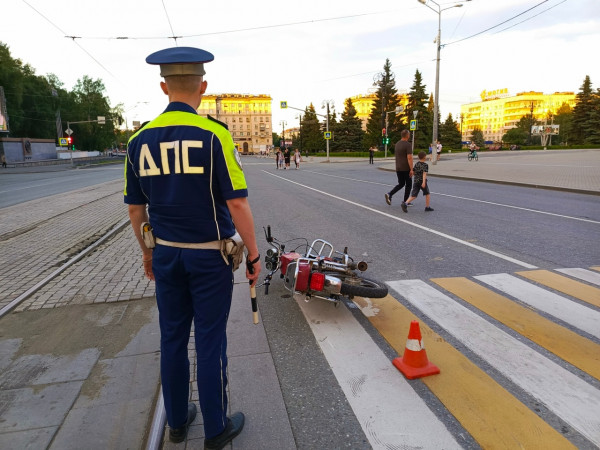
364, 288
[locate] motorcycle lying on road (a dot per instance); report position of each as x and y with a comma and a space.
319, 272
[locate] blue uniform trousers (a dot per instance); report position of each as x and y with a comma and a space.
193, 285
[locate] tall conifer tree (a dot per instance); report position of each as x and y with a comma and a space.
386, 99
583, 113
418, 101
349, 133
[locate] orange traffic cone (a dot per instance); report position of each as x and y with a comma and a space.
414, 363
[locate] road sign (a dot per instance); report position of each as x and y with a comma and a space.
62, 142
413, 125
283, 105
69, 131
327, 135
101, 120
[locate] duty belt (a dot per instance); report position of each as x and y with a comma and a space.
212, 245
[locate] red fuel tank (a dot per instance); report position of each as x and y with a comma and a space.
287, 258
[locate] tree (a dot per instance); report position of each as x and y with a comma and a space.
333, 127
349, 133
386, 99
34, 104
583, 124
311, 135
477, 137
515, 136
594, 135
450, 134
417, 101
564, 118
276, 139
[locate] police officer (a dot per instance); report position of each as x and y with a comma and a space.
186, 169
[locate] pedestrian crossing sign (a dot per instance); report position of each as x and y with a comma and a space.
62, 142
283, 105
413, 125
327, 135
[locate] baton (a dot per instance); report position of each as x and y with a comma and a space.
250, 266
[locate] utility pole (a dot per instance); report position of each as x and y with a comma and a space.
530, 123
283, 123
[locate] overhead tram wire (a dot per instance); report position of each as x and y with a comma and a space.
497, 25
239, 30
72, 38
170, 26
529, 18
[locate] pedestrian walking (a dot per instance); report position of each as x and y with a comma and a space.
286, 157
404, 162
297, 158
420, 183
186, 169
438, 146
278, 158
372, 150
3, 158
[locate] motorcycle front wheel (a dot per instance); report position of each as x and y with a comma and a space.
363, 287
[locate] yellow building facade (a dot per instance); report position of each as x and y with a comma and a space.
247, 116
364, 104
498, 111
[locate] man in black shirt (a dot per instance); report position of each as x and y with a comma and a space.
404, 163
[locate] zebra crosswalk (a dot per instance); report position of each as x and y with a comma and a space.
518, 340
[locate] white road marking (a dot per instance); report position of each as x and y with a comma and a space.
390, 412
573, 313
421, 227
583, 274
568, 396
466, 198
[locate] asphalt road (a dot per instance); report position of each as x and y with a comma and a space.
476, 227
41, 182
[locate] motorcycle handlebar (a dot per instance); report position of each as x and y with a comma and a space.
268, 234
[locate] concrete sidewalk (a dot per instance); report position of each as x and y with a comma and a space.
253, 384
568, 170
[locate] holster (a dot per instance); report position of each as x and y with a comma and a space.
148, 235
233, 247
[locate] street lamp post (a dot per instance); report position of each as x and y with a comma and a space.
283, 123
299, 117
379, 79
325, 104
436, 106
415, 113
398, 110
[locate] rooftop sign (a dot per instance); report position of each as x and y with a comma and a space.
490, 95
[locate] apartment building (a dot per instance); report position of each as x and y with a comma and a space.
498, 111
247, 116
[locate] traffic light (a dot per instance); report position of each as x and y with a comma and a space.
385, 140
69, 143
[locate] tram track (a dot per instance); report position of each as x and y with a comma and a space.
86, 250
16, 211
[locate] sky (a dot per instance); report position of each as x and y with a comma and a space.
309, 51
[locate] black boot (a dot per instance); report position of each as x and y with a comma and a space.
178, 434
234, 426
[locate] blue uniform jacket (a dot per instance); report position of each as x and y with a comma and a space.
184, 167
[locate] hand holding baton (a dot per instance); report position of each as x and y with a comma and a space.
250, 267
